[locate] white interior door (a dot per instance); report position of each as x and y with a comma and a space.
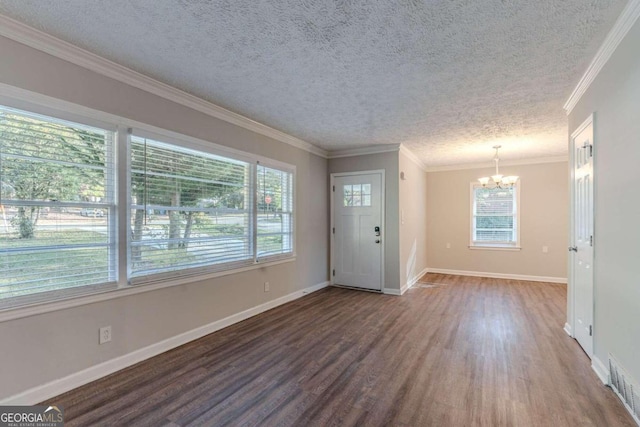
583, 236
358, 230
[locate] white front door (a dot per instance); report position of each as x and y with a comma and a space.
358, 230
582, 260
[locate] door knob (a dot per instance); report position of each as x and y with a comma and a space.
573, 248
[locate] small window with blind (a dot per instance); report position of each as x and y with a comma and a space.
57, 209
275, 212
495, 217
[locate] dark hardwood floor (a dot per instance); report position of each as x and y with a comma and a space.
472, 352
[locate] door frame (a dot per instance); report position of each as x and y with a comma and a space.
383, 186
571, 313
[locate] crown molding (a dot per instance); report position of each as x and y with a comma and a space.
520, 162
625, 21
44, 42
411, 155
361, 151
389, 148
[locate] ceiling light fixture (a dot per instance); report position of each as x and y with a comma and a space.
498, 180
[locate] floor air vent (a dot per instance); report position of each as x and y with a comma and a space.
625, 388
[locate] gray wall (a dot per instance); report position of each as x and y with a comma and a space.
413, 230
614, 97
388, 162
543, 219
45, 347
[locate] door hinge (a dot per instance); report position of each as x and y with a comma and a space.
591, 240
334, 272
590, 330
334, 188
590, 150
334, 230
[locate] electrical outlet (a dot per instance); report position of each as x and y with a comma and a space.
266, 286
545, 249
105, 334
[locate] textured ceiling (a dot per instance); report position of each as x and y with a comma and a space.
448, 78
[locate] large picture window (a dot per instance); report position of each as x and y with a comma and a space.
188, 212
56, 206
188, 209
195, 211
494, 216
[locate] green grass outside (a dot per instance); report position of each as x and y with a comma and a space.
47, 268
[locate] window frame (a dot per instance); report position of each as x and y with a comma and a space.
283, 167
497, 246
109, 204
43, 302
199, 272
176, 271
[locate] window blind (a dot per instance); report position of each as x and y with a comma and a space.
275, 212
494, 215
189, 209
56, 205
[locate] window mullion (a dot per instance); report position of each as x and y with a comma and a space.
286, 206
122, 205
110, 195
253, 230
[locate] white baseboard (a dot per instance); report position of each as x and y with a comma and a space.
600, 369
392, 291
498, 275
308, 290
62, 385
567, 329
413, 281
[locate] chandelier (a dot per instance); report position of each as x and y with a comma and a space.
498, 180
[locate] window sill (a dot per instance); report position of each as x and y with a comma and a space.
495, 248
123, 291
